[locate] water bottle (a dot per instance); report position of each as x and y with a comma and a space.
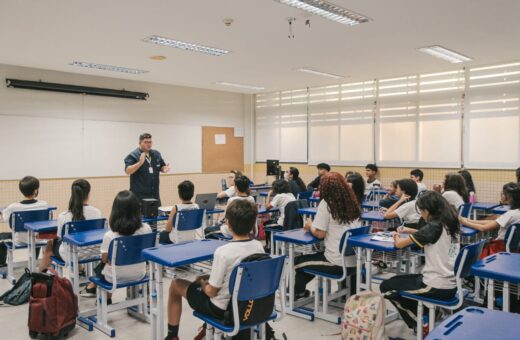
223, 184
472, 197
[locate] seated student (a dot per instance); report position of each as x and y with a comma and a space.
455, 190
125, 220
440, 240
295, 182
323, 169
404, 208
470, 187
78, 210
417, 175
211, 296
230, 191
371, 182
338, 211
357, 183
390, 197
511, 191
186, 191
282, 195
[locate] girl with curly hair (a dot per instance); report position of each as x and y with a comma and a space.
338, 211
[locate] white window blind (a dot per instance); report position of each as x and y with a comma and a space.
281, 126
492, 119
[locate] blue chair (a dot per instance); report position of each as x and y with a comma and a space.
304, 195
186, 222
249, 282
465, 259
78, 227
512, 238
324, 280
17, 221
465, 210
123, 251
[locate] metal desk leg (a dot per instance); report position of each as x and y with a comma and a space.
160, 301
359, 255
368, 268
153, 302
505, 297
291, 277
491, 294
32, 250
75, 269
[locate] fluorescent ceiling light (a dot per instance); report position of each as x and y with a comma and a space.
444, 53
327, 10
244, 86
155, 39
108, 67
319, 73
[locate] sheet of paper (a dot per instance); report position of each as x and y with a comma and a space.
220, 139
382, 238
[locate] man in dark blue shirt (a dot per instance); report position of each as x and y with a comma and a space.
144, 165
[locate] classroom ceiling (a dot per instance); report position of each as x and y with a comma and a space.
51, 34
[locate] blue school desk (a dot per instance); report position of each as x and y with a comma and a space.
291, 238
262, 210
370, 205
473, 323
483, 206
260, 187
501, 209
503, 267
172, 255
33, 228
308, 212
314, 201
373, 216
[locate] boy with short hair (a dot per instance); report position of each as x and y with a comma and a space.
417, 175
211, 296
371, 182
323, 168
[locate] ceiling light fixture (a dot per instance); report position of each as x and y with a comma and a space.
108, 67
319, 73
327, 10
444, 53
158, 40
244, 86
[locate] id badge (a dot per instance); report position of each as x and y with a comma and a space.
150, 170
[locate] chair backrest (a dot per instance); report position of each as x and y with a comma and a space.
189, 219
256, 279
512, 238
305, 195
74, 227
346, 250
126, 250
467, 256
293, 220
19, 218
465, 210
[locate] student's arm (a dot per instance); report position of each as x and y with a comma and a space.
428, 234
221, 195
401, 242
486, 226
208, 289
268, 202
104, 257
318, 228
406, 230
132, 168
217, 276
169, 223
390, 213
105, 246
165, 168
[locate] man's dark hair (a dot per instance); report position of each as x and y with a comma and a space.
417, 173
323, 166
28, 185
241, 216
372, 167
186, 190
144, 136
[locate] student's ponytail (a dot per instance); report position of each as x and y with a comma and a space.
79, 193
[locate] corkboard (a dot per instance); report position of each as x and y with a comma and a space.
221, 157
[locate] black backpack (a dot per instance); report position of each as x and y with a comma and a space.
21, 291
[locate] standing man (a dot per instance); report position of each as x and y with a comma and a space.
143, 165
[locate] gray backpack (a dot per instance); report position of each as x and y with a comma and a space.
21, 291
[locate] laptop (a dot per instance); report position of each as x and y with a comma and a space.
206, 201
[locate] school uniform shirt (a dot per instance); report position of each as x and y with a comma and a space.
440, 251
421, 187
127, 273
453, 198
89, 212
225, 259
295, 188
408, 212
231, 191
145, 181
369, 186
334, 231
22, 206
224, 229
314, 185
510, 217
280, 201
186, 235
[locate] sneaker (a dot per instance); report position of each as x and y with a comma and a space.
88, 292
202, 333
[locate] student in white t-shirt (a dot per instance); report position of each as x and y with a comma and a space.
338, 212
186, 190
230, 191
440, 240
282, 195
511, 191
405, 208
242, 193
211, 296
125, 220
78, 210
417, 175
371, 182
455, 190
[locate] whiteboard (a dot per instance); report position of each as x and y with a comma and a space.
63, 148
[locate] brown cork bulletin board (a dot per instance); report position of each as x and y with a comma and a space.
221, 157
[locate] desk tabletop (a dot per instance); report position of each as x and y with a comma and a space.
467, 231
154, 219
175, 255
85, 238
263, 210
314, 199
370, 204
365, 241
485, 205
296, 236
374, 215
501, 266
477, 323
41, 226
308, 211
260, 187
501, 209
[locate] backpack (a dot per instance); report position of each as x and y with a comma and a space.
364, 317
53, 306
21, 291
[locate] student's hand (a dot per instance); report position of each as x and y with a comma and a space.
308, 225
401, 229
202, 279
437, 187
166, 168
404, 198
395, 236
383, 210
463, 220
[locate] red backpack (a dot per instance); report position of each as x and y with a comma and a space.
53, 306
